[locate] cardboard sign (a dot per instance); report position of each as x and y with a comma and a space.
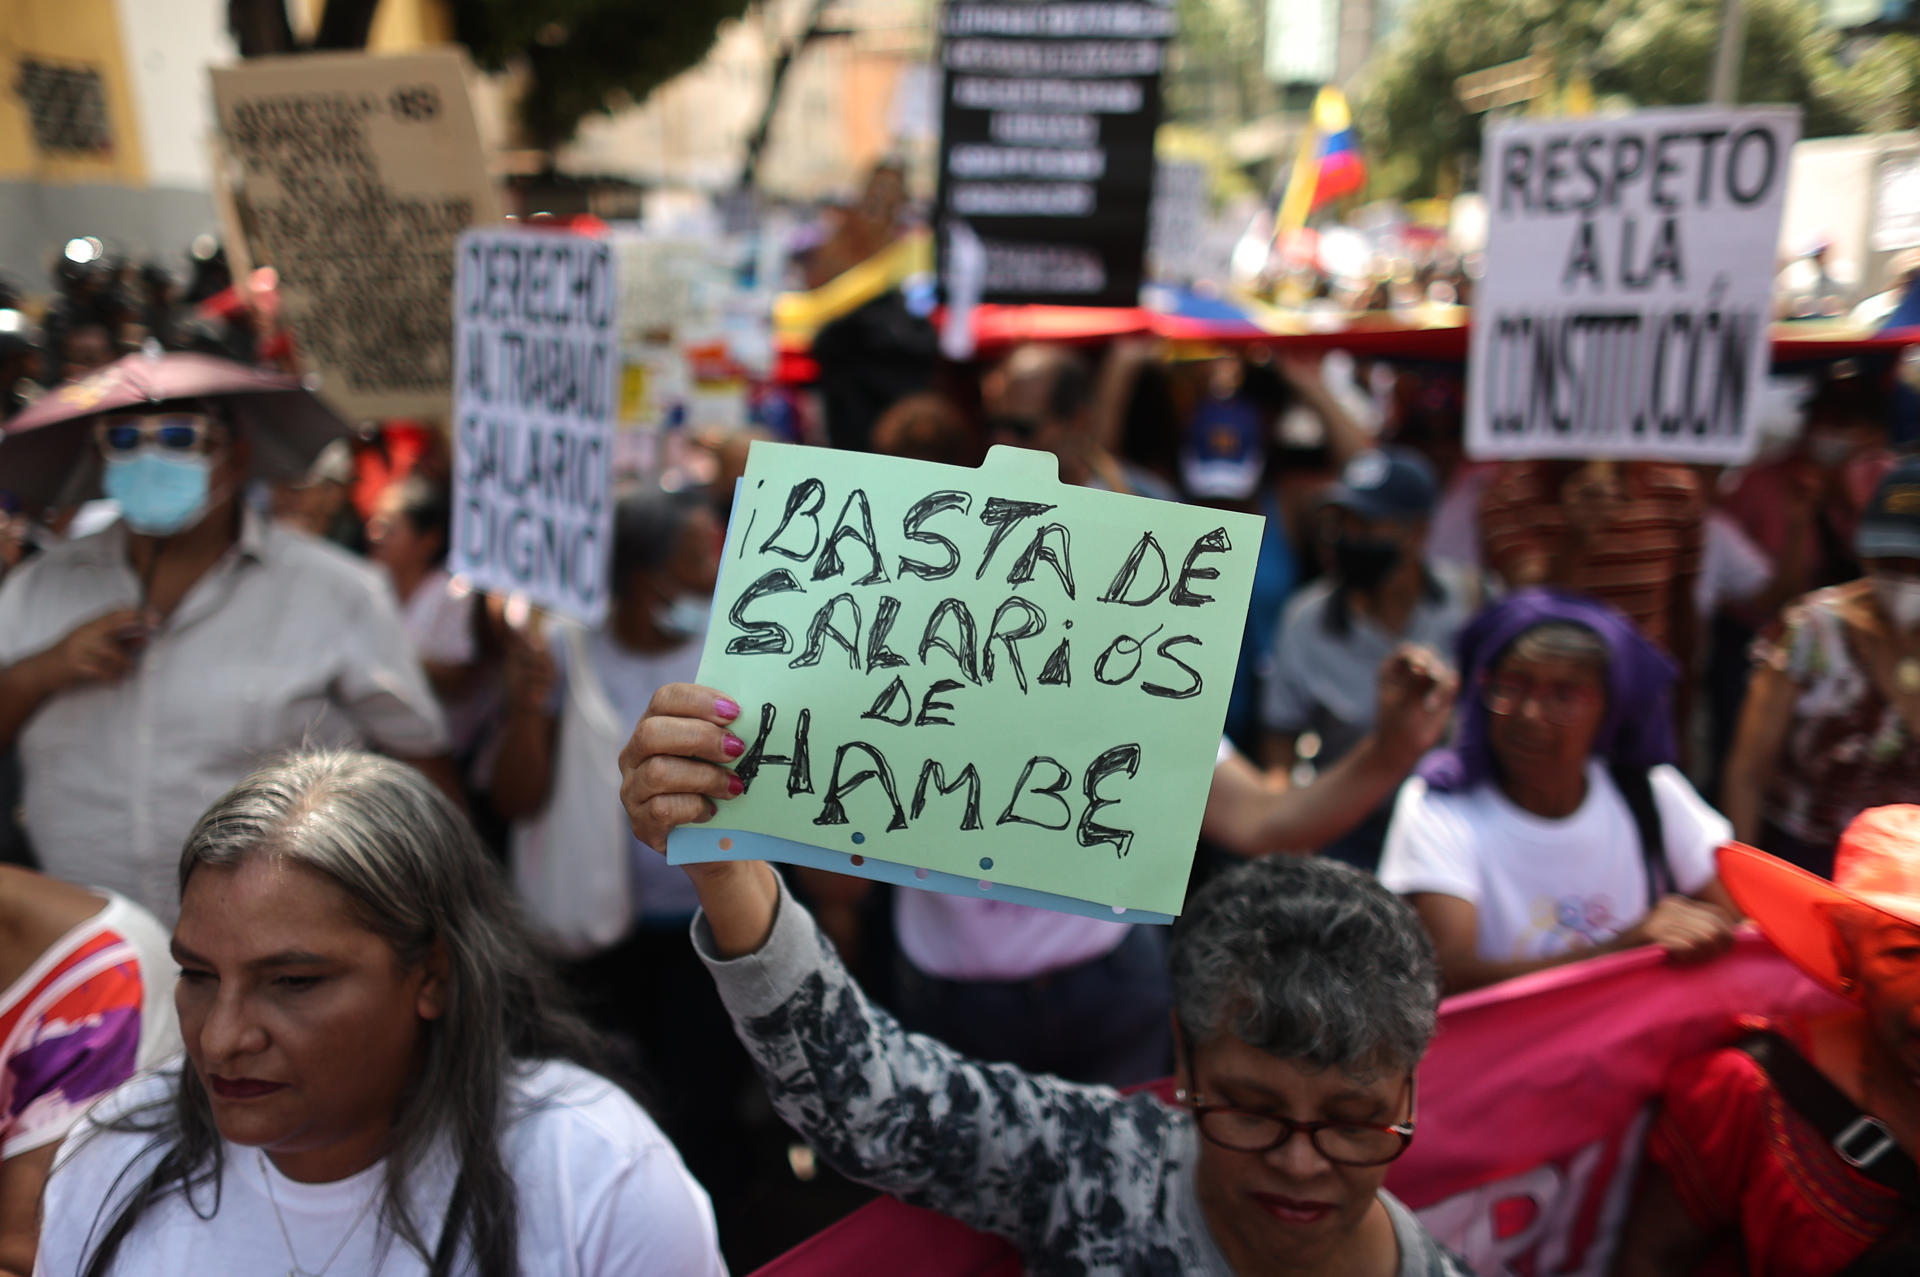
1046, 144
1627, 303
358, 174
538, 363
976, 681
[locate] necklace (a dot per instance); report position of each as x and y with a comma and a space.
266, 1173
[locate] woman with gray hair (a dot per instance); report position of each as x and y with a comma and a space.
1304, 995
377, 1077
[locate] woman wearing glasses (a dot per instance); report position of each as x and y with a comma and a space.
1304, 996
1557, 827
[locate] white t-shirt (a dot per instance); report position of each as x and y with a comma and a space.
1545, 887
439, 620
601, 1194
1732, 567
966, 938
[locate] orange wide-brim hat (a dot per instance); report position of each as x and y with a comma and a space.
1877, 867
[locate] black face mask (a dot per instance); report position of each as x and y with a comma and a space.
1362, 563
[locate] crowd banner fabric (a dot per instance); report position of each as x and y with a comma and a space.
1048, 115
1534, 1105
1626, 307
357, 175
537, 346
1535, 1099
980, 681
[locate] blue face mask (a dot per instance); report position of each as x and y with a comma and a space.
159, 494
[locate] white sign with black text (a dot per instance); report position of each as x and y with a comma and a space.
1626, 308
536, 361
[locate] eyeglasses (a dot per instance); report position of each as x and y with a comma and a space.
1561, 704
181, 432
1343, 1143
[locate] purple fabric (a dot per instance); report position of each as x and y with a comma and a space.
82, 1065
1637, 732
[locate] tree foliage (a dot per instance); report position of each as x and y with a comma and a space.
1635, 52
582, 55
1885, 83
588, 55
1217, 72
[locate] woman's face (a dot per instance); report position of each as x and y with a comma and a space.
1543, 714
1887, 964
392, 540
302, 1025
1289, 1207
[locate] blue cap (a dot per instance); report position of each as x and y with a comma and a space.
1388, 484
1224, 453
1890, 525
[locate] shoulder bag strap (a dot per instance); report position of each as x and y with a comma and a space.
1860, 1139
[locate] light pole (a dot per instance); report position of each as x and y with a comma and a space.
1726, 62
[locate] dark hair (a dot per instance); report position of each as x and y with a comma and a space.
418, 877
1306, 959
926, 427
1071, 391
427, 506
1558, 641
647, 523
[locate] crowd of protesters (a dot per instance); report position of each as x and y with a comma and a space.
1486, 720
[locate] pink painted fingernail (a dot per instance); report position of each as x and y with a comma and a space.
725, 708
733, 745
736, 786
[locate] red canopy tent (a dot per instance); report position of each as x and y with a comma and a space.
998, 329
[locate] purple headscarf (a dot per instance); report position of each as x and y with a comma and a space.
1637, 732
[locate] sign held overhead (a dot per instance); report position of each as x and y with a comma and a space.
1046, 147
982, 681
357, 175
1626, 309
537, 357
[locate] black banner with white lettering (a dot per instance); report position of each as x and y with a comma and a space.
1048, 115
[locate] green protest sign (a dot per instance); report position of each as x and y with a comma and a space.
973, 680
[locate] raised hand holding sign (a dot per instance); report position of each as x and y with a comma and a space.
977, 681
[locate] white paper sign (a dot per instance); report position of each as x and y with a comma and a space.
1896, 221
1626, 306
536, 363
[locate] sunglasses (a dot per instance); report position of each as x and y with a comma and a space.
181, 432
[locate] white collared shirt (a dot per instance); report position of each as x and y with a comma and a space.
284, 642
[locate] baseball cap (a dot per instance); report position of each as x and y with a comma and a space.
1890, 526
1225, 450
1387, 484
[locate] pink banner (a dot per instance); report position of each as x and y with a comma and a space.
1533, 1106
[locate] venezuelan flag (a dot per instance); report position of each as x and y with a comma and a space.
1327, 165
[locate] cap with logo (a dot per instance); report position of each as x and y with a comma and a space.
1225, 450
1890, 525
1389, 485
